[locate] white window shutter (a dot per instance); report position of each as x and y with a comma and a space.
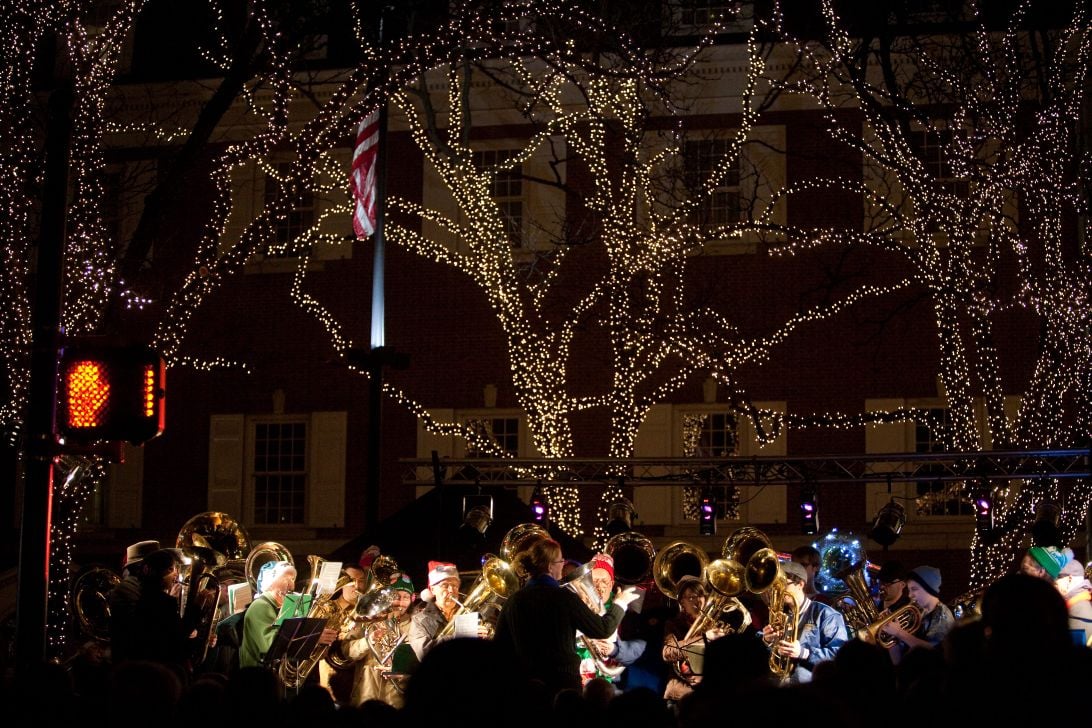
654, 439
226, 440
326, 470
125, 483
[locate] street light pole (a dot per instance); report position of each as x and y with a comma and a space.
33, 592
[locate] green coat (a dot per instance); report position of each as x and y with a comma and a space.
258, 631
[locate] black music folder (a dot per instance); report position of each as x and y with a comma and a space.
295, 640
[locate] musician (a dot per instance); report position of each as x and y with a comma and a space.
613, 654
892, 579
691, 595
536, 627
275, 580
123, 598
370, 681
1043, 562
159, 632
441, 600
1074, 587
339, 683
937, 620
820, 629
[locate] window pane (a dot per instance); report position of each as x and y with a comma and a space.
280, 472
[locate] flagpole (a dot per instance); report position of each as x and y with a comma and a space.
379, 356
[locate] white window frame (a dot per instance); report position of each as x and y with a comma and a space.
250, 494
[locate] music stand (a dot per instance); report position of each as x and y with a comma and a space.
294, 642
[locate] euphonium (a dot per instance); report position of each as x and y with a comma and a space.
90, 602
580, 581
496, 583
784, 616
724, 582
323, 606
863, 615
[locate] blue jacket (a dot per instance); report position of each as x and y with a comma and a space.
822, 632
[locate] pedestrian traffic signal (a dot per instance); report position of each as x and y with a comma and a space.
111, 393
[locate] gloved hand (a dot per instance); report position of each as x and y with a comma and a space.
626, 596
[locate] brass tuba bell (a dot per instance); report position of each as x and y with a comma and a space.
673, 562
89, 602
520, 538
497, 582
633, 555
213, 547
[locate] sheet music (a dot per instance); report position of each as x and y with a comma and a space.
239, 595
466, 625
327, 576
295, 605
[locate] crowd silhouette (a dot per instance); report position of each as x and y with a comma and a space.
984, 670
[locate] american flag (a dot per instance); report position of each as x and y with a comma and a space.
363, 175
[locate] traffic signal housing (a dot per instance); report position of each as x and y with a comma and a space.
111, 393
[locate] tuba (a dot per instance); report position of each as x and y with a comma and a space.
213, 546
258, 557
673, 562
520, 538
497, 582
862, 614
762, 575
633, 555
89, 602
370, 603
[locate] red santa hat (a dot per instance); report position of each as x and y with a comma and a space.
438, 571
605, 562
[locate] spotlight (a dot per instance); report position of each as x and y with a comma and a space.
888, 524
1045, 531
540, 511
620, 517
707, 514
478, 517
983, 513
809, 510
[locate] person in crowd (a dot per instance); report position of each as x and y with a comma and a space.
613, 654
1077, 592
892, 580
820, 629
339, 683
160, 631
371, 675
937, 620
275, 580
123, 598
441, 599
537, 626
1043, 562
676, 649
808, 556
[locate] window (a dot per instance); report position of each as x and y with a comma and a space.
297, 220
506, 188
934, 146
504, 431
280, 472
711, 435
719, 204
705, 12
938, 497
94, 509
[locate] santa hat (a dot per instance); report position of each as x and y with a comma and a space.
605, 562
438, 571
368, 557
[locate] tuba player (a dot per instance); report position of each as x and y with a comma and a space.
820, 630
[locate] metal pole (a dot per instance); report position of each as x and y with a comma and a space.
33, 597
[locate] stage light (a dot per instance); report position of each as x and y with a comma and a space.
1045, 531
983, 513
707, 514
809, 510
539, 510
620, 517
888, 524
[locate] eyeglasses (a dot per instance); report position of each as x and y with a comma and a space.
559, 561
